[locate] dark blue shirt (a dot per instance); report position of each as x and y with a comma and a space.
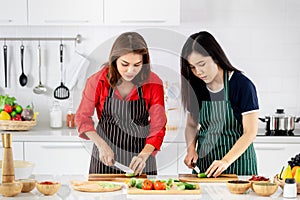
242, 95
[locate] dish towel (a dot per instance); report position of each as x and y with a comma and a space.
75, 71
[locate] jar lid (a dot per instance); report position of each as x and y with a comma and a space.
290, 180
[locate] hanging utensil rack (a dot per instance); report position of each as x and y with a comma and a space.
77, 39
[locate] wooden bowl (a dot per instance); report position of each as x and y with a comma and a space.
238, 186
265, 189
48, 189
252, 182
10, 189
28, 184
280, 182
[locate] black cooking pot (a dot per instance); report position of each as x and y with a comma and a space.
280, 121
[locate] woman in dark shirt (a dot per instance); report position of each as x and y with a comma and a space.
222, 107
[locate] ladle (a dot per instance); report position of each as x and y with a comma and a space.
23, 77
40, 89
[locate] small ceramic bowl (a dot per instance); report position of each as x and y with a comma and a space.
28, 184
48, 187
238, 186
10, 189
265, 189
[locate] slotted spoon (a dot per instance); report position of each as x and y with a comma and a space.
61, 92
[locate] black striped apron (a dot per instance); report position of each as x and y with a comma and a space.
218, 133
124, 125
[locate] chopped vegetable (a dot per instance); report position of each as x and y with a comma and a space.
170, 182
189, 186
130, 175
139, 185
180, 186
202, 175
108, 185
186, 186
132, 182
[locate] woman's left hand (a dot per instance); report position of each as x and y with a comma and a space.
216, 168
137, 165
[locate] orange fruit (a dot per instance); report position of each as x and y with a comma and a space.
294, 170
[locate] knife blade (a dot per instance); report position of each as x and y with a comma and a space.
123, 168
197, 169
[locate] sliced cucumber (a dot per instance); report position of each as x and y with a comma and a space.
130, 175
202, 175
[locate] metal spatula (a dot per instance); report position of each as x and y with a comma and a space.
61, 92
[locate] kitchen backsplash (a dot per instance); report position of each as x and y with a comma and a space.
262, 38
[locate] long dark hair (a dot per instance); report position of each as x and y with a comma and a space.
193, 89
129, 42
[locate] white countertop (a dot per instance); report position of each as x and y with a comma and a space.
42, 132
210, 191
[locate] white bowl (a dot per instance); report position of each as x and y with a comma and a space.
23, 169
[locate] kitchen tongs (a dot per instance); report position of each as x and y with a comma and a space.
61, 92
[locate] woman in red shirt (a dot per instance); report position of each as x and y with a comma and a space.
129, 100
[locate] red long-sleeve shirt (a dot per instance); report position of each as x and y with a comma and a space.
94, 95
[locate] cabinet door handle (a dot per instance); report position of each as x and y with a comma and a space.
6, 20
143, 21
269, 148
63, 146
66, 21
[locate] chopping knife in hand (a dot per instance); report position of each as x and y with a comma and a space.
123, 167
196, 168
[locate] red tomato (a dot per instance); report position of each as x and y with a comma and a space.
17, 118
8, 108
158, 185
147, 185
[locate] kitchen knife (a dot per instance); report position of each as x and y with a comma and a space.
197, 170
123, 168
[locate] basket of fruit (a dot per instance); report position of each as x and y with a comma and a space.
14, 117
292, 170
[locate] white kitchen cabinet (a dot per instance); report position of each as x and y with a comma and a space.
13, 12
272, 157
182, 168
142, 12
65, 12
166, 159
58, 157
17, 148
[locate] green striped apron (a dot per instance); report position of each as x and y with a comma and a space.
218, 133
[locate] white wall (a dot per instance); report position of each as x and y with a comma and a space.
260, 37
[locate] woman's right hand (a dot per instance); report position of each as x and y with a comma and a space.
191, 158
106, 154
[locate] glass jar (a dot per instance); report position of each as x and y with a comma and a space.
290, 188
55, 115
70, 119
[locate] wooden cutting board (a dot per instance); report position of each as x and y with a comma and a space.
194, 178
95, 186
166, 192
112, 177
